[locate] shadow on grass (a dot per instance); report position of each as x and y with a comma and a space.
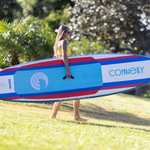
102, 125
96, 112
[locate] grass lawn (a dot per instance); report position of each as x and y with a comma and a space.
115, 122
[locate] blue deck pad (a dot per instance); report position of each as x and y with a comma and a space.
51, 79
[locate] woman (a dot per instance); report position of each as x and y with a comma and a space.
62, 50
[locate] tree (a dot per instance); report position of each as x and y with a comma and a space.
43, 8
53, 11
30, 39
10, 9
121, 24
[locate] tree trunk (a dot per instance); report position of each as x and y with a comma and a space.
137, 92
14, 60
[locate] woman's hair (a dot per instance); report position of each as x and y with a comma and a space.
62, 29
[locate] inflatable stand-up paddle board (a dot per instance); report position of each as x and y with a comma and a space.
94, 76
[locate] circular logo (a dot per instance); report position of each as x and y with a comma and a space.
35, 83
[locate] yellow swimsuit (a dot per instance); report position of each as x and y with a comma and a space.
60, 51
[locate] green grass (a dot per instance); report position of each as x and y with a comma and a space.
115, 122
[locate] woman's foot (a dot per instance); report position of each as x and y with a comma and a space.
53, 117
81, 119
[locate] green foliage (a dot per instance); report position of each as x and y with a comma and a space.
38, 39
116, 122
30, 39
10, 9
27, 7
145, 91
85, 46
53, 11
10, 42
4, 62
57, 17
123, 25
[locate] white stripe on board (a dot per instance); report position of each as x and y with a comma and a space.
126, 71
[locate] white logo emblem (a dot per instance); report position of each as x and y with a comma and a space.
35, 83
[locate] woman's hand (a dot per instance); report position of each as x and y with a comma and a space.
68, 74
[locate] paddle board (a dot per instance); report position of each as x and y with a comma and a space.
95, 75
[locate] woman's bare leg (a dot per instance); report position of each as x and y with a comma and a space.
77, 117
55, 109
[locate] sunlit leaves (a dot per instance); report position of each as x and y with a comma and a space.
30, 39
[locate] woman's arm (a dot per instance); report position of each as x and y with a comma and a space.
64, 45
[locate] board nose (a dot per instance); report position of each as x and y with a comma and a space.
6, 84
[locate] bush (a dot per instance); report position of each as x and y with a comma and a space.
85, 46
30, 39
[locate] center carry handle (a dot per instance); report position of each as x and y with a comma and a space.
66, 77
